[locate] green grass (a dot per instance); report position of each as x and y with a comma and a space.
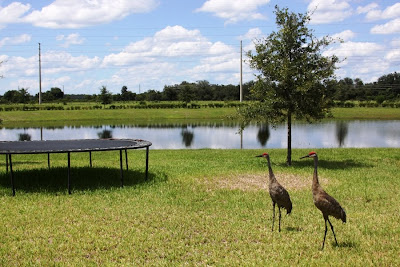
126, 116
365, 113
199, 207
92, 117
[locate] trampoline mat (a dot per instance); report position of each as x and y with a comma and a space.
60, 146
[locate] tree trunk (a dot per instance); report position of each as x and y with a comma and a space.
289, 139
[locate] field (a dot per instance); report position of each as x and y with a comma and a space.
199, 207
119, 116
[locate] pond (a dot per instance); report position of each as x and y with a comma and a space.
329, 134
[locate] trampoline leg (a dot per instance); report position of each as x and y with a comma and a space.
6, 163
126, 159
147, 162
48, 160
121, 170
69, 173
11, 175
90, 158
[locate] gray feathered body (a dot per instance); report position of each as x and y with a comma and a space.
327, 204
278, 193
324, 202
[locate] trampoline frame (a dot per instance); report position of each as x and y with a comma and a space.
69, 146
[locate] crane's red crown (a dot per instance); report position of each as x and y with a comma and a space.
312, 153
265, 154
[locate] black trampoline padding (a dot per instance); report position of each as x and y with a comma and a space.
62, 146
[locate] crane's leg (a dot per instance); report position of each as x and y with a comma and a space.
333, 231
326, 229
279, 209
273, 215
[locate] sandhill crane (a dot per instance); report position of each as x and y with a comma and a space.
278, 194
324, 202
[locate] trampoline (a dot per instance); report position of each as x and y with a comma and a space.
10, 148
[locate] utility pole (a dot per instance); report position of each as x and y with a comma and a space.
40, 78
241, 73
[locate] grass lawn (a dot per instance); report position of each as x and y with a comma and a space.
199, 207
118, 116
125, 116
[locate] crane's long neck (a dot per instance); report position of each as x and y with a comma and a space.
315, 177
271, 173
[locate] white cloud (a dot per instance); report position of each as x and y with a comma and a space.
391, 27
12, 13
171, 42
354, 49
52, 63
175, 53
18, 66
363, 60
327, 11
24, 38
78, 14
61, 62
393, 55
234, 10
395, 42
389, 13
252, 34
344, 35
72, 39
367, 8
28, 84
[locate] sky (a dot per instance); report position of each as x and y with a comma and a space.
147, 44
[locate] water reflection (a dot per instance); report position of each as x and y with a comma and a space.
341, 132
105, 134
187, 137
24, 137
225, 134
263, 134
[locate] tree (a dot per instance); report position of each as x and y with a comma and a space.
24, 96
186, 94
105, 96
57, 93
12, 96
17, 96
293, 74
127, 95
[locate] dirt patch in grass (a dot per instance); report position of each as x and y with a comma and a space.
256, 182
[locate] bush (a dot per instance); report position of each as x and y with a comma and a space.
349, 104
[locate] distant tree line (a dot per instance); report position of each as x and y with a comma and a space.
386, 88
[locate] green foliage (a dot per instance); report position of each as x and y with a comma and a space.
294, 74
293, 71
127, 95
17, 96
186, 94
54, 93
105, 96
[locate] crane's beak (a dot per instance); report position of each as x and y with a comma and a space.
259, 156
306, 156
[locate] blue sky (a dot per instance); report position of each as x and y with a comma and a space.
146, 44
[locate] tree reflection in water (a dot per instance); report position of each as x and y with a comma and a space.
187, 137
342, 129
263, 134
24, 137
105, 134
